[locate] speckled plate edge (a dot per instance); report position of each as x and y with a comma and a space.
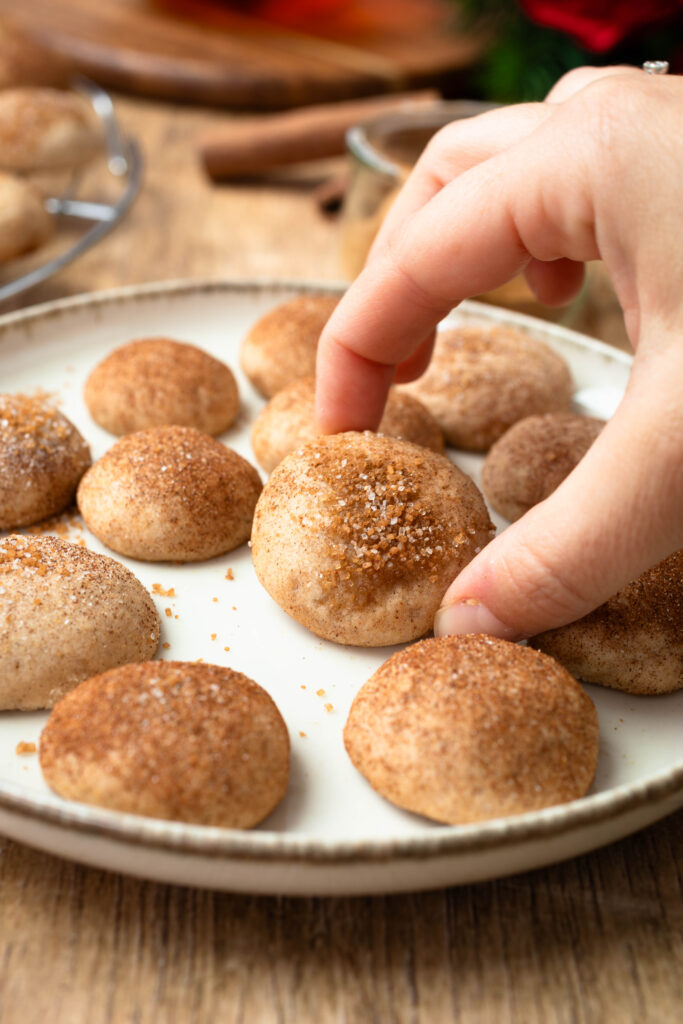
661, 792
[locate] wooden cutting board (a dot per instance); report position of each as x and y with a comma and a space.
205, 51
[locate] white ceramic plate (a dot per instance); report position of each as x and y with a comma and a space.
332, 833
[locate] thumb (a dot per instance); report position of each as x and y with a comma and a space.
616, 515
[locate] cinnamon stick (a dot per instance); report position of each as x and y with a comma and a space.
256, 144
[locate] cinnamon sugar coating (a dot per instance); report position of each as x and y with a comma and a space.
66, 613
175, 740
482, 379
466, 728
357, 536
42, 458
281, 346
154, 382
288, 421
532, 459
170, 494
45, 129
25, 224
633, 642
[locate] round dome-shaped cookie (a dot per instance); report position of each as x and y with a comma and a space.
467, 728
169, 494
282, 344
633, 642
156, 382
45, 129
532, 459
42, 458
288, 421
357, 536
25, 224
176, 740
482, 379
66, 613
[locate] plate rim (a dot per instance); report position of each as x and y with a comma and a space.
263, 845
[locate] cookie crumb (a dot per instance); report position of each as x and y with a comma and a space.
302, 734
329, 708
168, 613
229, 575
320, 693
25, 748
226, 648
158, 589
166, 645
213, 636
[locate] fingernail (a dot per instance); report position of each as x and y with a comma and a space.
471, 616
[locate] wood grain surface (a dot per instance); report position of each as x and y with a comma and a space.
598, 940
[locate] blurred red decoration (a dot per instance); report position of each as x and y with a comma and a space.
599, 25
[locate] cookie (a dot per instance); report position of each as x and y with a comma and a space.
482, 379
357, 536
170, 739
282, 345
42, 458
288, 421
46, 129
466, 728
532, 459
155, 382
25, 224
169, 494
633, 642
66, 613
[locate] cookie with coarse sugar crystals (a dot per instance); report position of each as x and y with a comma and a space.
357, 536
66, 613
176, 740
463, 729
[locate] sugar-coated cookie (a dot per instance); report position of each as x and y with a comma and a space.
482, 379
155, 382
25, 224
466, 728
66, 613
357, 536
42, 458
46, 129
282, 344
288, 421
633, 642
532, 459
176, 740
170, 494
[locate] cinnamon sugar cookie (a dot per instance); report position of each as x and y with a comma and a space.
633, 642
282, 345
25, 224
65, 614
532, 459
176, 740
42, 458
288, 421
170, 494
357, 536
482, 379
156, 382
466, 728
46, 129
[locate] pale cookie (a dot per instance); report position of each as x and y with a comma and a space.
66, 613
25, 224
170, 494
156, 382
282, 345
466, 728
170, 739
46, 129
633, 642
482, 379
357, 536
532, 459
288, 421
42, 458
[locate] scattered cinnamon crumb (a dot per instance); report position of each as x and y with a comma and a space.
303, 687
168, 613
25, 748
198, 660
158, 589
320, 693
176, 616
226, 648
229, 575
213, 636
234, 607
329, 708
166, 646
215, 600
303, 734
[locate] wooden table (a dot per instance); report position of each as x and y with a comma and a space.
599, 939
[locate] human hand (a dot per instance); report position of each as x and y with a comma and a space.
592, 173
